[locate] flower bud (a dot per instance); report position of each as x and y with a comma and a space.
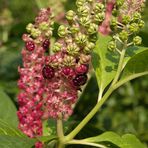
70, 15
35, 33
93, 28
83, 11
29, 27
99, 17
123, 35
137, 40
62, 31
49, 32
85, 21
73, 49
112, 45
89, 47
57, 47
69, 61
99, 7
44, 26
81, 38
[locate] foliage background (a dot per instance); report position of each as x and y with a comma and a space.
125, 112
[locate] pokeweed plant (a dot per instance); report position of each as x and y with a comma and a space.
101, 32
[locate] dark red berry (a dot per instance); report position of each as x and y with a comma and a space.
48, 72
80, 80
30, 45
82, 69
46, 44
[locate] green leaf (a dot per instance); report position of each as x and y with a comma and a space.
7, 109
15, 142
133, 50
131, 141
108, 138
6, 129
104, 62
137, 66
47, 138
11, 137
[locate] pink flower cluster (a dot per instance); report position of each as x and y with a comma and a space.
45, 91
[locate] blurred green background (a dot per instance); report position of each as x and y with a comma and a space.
127, 109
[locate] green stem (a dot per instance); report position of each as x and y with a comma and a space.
81, 142
89, 116
60, 129
60, 133
121, 61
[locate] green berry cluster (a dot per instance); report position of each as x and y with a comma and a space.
81, 32
125, 24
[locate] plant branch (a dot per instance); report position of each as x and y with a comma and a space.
89, 116
81, 142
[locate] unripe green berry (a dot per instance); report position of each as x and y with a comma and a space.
44, 26
35, 33
114, 22
70, 15
137, 16
99, 17
29, 27
141, 24
126, 19
62, 31
134, 27
93, 28
137, 40
123, 35
112, 45
94, 37
99, 7
57, 47
80, 3
74, 29
89, 47
69, 61
119, 3
83, 11
81, 38
73, 49
85, 21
